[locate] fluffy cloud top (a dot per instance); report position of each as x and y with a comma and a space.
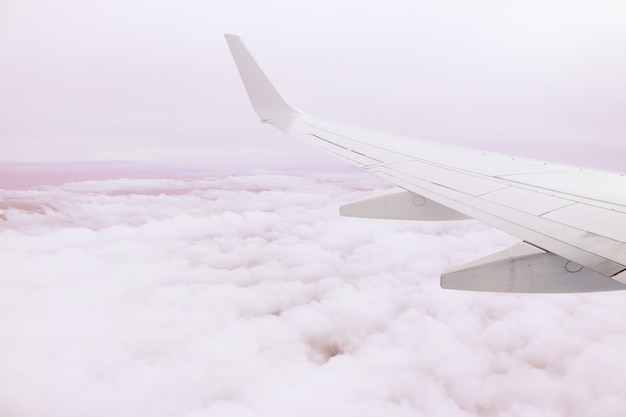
251, 296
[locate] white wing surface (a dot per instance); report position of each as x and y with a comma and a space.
572, 221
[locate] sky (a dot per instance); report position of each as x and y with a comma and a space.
153, 81
164, 254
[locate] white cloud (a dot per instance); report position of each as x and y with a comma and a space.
251, 296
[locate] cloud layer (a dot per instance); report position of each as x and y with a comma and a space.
251, 296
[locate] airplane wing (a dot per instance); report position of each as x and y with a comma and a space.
572, 221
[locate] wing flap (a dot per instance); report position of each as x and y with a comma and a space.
468, 183
528, 201
597, 220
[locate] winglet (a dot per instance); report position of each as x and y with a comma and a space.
265, 98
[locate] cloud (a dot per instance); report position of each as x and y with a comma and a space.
251, 296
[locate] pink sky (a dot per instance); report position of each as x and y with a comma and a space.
153, 81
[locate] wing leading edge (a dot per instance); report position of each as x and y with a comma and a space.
572, 222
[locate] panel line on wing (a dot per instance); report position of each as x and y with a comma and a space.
581, 255
479, 185
569, 172
604, 222
362, 155
328, 141
571, 184
413, 158
361, 164
556, 209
